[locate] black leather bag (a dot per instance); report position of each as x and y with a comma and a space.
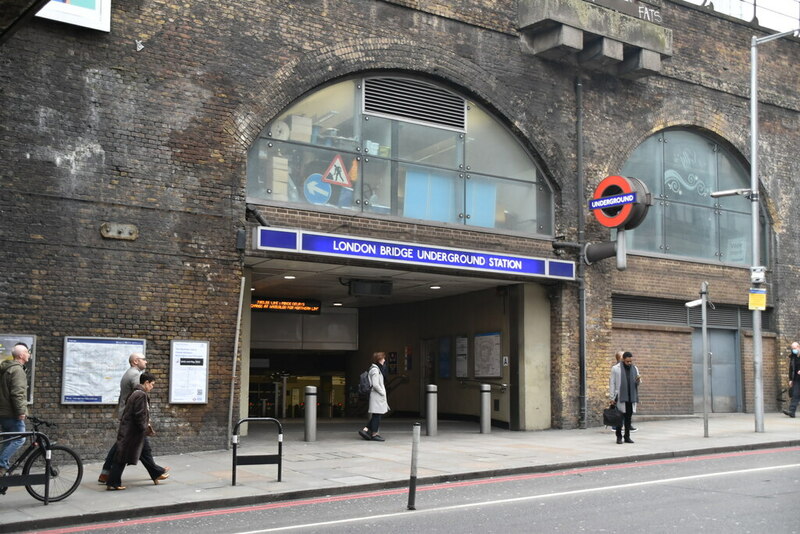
612, 416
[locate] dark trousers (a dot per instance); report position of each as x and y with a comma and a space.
795, 393
146, 458
109, 461
374, 423
627, 417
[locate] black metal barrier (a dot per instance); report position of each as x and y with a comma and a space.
27, 480
256, 459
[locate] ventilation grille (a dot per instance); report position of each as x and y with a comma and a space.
642, 310
413, 100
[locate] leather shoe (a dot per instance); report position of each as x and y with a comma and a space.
102, 479
787, 412
115, 488
364, 434
376, 437
628, 440
619, 441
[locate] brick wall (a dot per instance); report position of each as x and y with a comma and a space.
93, 131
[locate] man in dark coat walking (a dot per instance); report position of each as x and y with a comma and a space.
132, 442
794, 379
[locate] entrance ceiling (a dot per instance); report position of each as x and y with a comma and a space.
328, 283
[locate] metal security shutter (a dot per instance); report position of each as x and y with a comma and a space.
644, 310
413, 100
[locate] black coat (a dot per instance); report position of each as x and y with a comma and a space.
133, 427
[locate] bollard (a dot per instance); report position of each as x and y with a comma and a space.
486, 408
412, 483
432, 409
311, 413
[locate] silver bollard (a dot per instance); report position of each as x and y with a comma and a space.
311, 413
431, 409
412, 483
486, 408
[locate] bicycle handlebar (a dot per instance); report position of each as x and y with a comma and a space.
38, 422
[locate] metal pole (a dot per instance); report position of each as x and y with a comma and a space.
412, 484
706, 380
432, 409
758, 401
486, 414
283, 396
235, 359
311, 413
758, 394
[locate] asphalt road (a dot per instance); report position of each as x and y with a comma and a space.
752, 491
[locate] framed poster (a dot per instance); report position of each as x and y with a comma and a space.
93, 367
487, 356
188, 373
7, 342
94, 14
462, 356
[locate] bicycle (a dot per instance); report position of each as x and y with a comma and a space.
66, 467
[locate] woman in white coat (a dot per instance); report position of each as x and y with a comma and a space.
378, 404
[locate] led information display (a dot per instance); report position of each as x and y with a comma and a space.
286, 305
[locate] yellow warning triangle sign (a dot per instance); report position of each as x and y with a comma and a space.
336, 173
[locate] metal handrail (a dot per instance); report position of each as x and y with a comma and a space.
472, 381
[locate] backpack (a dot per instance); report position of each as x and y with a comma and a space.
364, 383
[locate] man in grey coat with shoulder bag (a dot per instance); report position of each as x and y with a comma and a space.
623, 387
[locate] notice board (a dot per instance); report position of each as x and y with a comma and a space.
487, 355
188, 376
93, 367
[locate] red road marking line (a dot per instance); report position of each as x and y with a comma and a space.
431, 487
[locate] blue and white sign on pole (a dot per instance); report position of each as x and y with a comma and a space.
315, 190
410, 253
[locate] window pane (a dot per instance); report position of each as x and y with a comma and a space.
377, 187
689, 168
505, 204
733, 176
690, 231
377, 136
427, 145
648, 236
491, 149
646, 164
287, 172
431, 194
326, 118
735, 238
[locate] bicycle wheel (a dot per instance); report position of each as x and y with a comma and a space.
66, 472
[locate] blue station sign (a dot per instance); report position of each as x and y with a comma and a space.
410, 253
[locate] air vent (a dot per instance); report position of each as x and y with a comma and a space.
641, 310
413, 100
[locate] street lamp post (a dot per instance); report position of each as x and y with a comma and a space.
757, 270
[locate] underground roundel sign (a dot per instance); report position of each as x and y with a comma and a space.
620, 202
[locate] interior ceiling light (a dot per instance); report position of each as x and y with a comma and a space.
289, 277
436, 287
337, 303
252, 289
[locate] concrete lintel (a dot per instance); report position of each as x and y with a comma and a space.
602, 53
639, 64
594, 19
554, 43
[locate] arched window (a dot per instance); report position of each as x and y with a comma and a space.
399, 147
682, 168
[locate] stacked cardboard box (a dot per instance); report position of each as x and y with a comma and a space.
280, 178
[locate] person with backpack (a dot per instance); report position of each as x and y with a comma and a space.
378, 404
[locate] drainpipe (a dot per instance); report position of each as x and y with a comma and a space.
581, 263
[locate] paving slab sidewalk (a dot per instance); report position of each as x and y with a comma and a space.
340, 461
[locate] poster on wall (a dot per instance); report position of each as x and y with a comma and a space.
188, 376
487, 356
7, 342
444, 357
462, 356
93, 367
94, 14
